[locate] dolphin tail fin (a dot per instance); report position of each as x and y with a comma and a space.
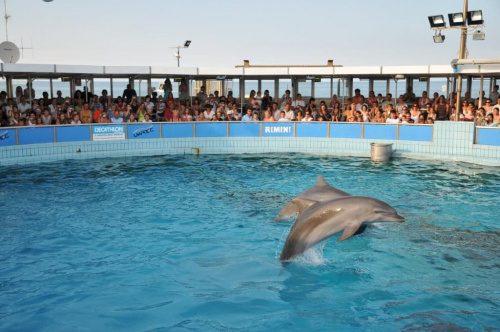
349, 231
321, 181
302, 203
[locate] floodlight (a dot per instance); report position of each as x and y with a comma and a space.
438, 38
187, 43
475, 17
437, 21
456, 19
478, 35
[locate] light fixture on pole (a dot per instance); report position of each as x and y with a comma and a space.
475, 17
456, 19
437, 21
178, 54
438, 38
478, 35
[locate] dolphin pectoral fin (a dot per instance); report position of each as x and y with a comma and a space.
302, 203
349, 231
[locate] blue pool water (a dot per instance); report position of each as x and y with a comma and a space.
188, 243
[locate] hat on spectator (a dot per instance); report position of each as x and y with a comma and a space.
99, 105
230, 112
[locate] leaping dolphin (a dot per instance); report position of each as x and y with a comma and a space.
322, 220
321, 191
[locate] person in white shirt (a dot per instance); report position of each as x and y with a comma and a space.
290, 115
209, 111
393, 118
298, 104
23, 106
283, 117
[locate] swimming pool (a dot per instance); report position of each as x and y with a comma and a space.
188, 242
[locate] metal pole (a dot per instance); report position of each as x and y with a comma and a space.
461, 55
481, 87
6, 20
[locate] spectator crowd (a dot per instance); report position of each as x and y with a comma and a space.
85, 108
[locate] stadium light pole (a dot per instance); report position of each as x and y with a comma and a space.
463, 21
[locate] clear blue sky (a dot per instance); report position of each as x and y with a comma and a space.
225, 32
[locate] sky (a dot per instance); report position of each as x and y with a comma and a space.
226, 32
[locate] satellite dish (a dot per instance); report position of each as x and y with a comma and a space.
47, 0
9, 52
177, 55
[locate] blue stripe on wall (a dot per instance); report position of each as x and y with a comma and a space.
345, 130
314, 129
177, 130
380, 131
72, 133
488, 136
217, 129
244, 129
36, 135
415, 133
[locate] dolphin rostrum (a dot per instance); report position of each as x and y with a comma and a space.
321, 191
322, 220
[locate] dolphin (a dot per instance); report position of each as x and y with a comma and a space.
322, 220
321, 191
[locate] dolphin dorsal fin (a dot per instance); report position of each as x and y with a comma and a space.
302, 204
321, 181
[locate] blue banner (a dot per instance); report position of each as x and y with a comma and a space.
177, 130
413, 132
244, 129
311, 129
211, 129
36, 135
143, 130
277, 129
7, 137
380, 131
72, 133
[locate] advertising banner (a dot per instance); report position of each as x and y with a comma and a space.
108, 132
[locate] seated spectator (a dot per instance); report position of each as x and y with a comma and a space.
61, 119
429, 121
132, 119
201, 117
282, 117
76, 119
104, 118
247, 117
490, 122
147, 118
393, 118
409, 96
299, 116
379, 117
267, 115
255, 116
31, 119
421, 119
230, 116
46, 118
209, 111
290, 115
